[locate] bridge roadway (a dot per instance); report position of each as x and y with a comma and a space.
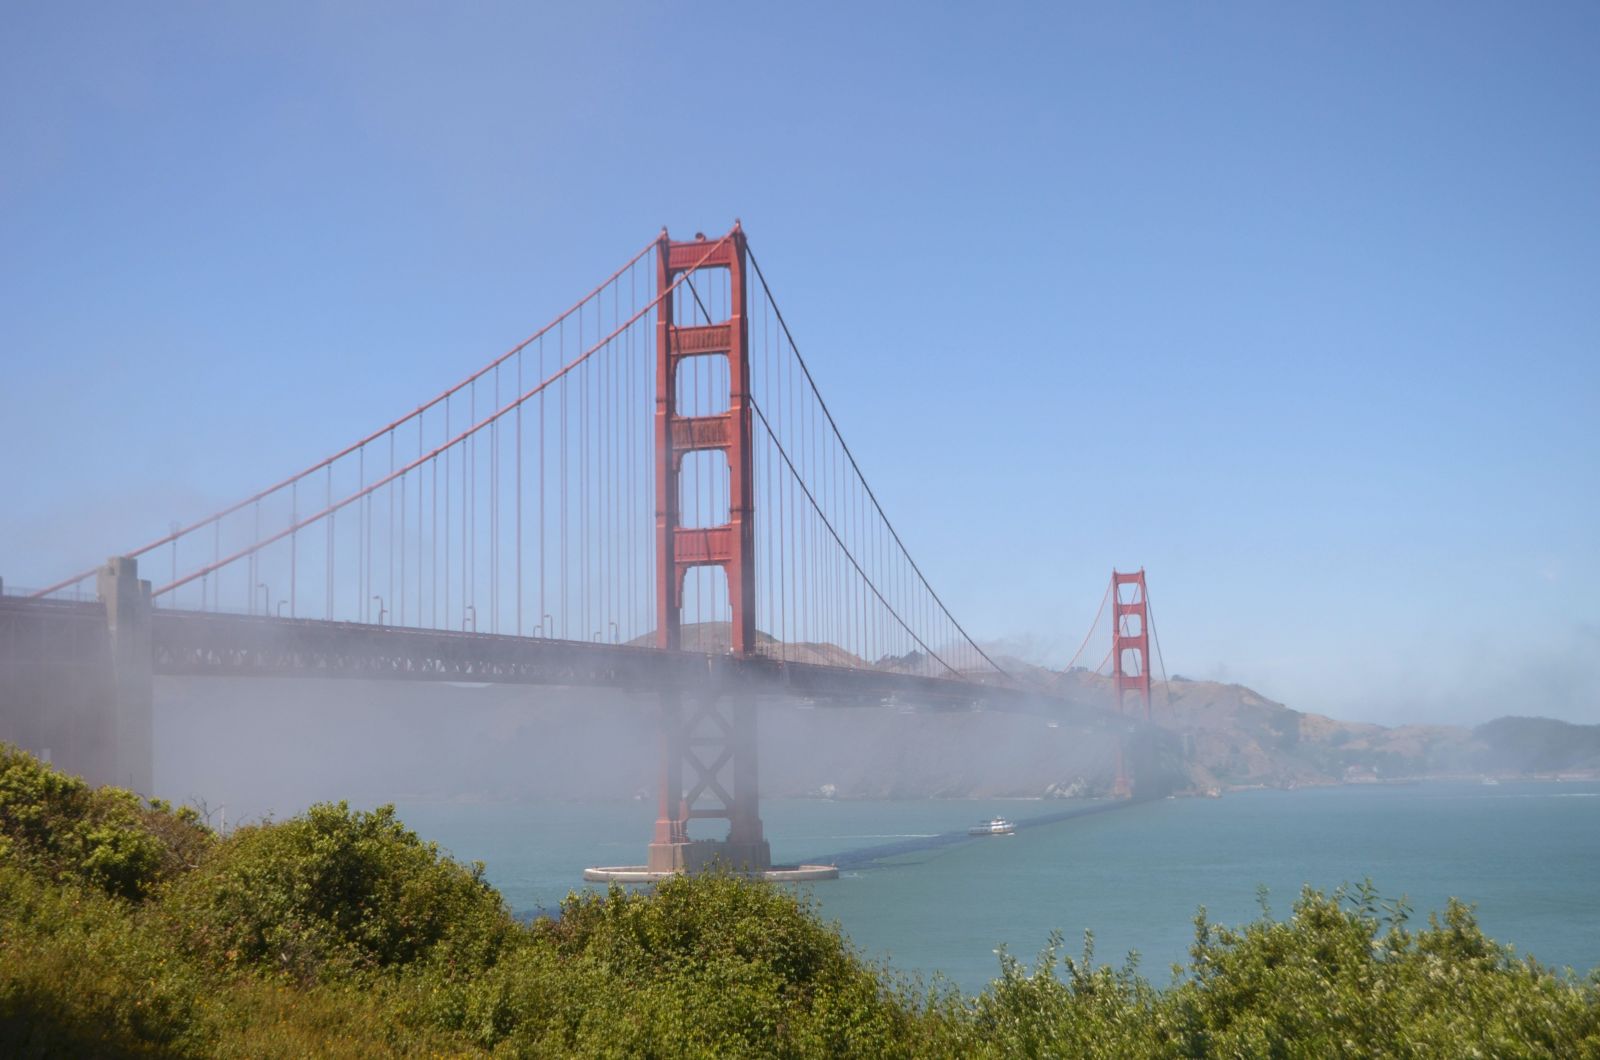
77, 677
203, 643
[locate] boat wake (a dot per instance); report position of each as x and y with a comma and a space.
864, 856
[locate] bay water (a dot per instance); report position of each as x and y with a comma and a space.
1527, 854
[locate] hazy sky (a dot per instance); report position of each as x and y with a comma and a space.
1297, 306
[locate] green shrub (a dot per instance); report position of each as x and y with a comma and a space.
709, 965
1084, 1010
1344, 976
338, 890
82, 973
60, 825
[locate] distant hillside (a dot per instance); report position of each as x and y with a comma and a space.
1539, 745
714, 638
1233, 736
1216, 736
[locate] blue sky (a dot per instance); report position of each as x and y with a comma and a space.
1296, 306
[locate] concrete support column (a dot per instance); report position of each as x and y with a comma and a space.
671, 837
127, 603
745, 826
746, 849
717, 739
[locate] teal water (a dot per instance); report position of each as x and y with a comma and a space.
1528, 854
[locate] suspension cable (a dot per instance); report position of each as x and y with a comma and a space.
793, 346
1092, 627
425, 457
1166, 679
374, 436
842, 547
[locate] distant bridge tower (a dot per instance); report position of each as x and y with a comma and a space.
1130, 655
717, 735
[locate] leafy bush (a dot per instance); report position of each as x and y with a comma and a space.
713, 965
84, 974
105, 836
1094, 1010
1342, 977
80, 974
338, 890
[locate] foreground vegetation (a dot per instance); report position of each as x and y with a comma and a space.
129, 929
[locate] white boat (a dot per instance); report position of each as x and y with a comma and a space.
993, 826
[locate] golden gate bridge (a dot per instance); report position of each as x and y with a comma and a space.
648, 493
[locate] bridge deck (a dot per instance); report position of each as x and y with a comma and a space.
203, 643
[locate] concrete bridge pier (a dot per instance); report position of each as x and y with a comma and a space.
709, 770
131, 710
671, 839
76, 679
747, 842
720, 731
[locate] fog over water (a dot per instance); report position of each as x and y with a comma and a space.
272, 746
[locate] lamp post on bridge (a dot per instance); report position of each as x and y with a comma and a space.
381, 609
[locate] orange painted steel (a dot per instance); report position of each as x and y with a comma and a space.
720, 729
1126, 641
1129, 645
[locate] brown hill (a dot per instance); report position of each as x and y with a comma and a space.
1232, 736
714, 638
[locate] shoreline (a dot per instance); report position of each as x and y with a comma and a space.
1488, 779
